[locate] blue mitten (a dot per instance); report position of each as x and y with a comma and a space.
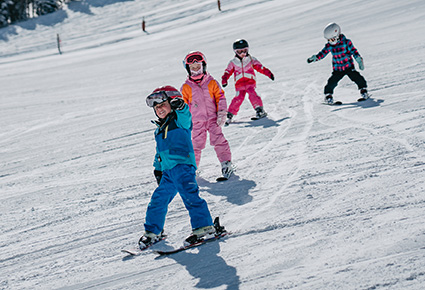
313, 58
359, 60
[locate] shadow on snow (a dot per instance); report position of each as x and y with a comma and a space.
205, 265
235, 190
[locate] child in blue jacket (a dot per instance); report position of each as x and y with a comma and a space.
175, 168
342, 50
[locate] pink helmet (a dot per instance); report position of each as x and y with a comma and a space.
195, 57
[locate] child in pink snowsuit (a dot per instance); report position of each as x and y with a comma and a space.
243, 66
208, 105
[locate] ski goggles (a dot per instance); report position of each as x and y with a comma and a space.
159, 97
156, 98
242, 50
194, 58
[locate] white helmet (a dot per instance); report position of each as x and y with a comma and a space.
332, 32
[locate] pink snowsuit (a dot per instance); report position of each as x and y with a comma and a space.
244, 73
205, 99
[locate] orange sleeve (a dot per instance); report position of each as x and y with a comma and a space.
187, 93
216, 93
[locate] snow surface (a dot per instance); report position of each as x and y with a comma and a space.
323, 198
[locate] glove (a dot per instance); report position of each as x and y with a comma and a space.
221, 118
158, 176
359, 60
177, 104
224, 85
313, 58
272, 77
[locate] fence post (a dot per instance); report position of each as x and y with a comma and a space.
143, 25
59, 43
219, 5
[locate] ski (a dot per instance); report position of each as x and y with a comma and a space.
219, 233
197, 244
227, 175
137, 250
362, 99
336, 103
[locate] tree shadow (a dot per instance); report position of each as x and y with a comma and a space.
84, 6
55, 17
81, 7
235, 190
46, 20
31, 24
6, 32
102, 3
205, 265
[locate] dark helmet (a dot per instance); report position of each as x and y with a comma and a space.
240, 43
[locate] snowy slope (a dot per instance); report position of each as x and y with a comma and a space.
323, 198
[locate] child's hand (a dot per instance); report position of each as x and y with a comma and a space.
359, 60
312, 58
158, 176
224, 85
221, 118
177, 103
272, 77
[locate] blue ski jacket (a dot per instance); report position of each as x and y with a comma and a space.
174, 140
342, 53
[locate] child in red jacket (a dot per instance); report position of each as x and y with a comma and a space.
243, 66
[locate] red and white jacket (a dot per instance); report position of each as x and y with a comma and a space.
244, 71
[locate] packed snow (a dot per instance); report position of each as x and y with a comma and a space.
324, 197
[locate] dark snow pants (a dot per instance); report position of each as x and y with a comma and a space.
336, 76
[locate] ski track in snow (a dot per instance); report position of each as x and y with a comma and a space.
323, 197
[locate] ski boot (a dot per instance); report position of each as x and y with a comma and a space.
365, 95
149, 238
226, 169
260, 113
329, 99
229, 119
199, 234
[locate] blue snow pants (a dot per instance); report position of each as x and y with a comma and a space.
179, 179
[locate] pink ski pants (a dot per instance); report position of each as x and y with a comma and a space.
217, 139
237, 101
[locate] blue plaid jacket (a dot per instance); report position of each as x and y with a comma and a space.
342, 53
